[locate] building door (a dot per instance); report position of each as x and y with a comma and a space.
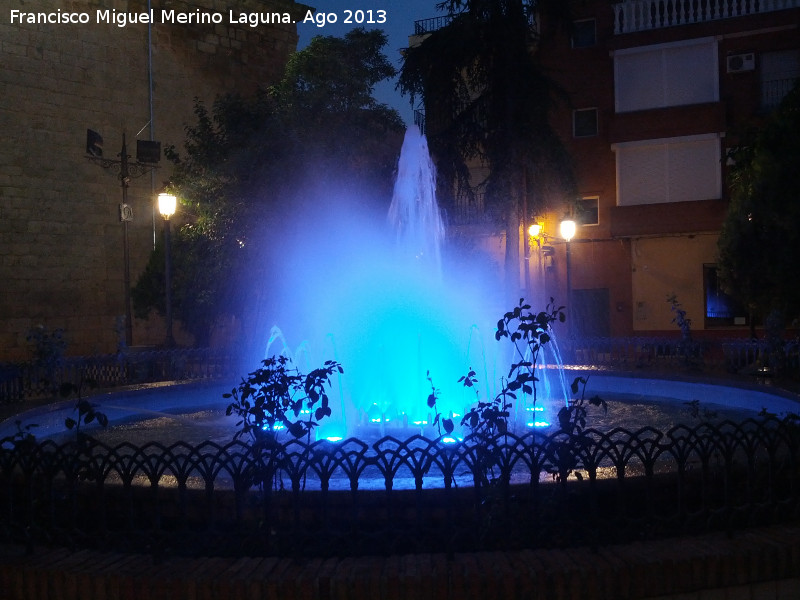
591, 313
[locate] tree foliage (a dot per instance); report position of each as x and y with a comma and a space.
249, 162
760, 239
488, 101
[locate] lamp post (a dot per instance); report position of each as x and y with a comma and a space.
534, 237
125, 216
567, 230
167, 203
148, 154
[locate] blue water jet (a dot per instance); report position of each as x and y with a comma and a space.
384, 299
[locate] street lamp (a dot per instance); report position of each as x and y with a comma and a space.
537, 235
167, 203
148, 154
567, 230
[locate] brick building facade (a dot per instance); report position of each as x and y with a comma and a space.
658, 91
61, 239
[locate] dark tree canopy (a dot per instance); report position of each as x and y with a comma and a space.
250, 162
760, 239
488, 101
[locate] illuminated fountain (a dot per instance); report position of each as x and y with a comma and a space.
382, 297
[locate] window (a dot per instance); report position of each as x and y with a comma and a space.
584, 122
587, 211
779, 72
721, 309
664, 75
584, 33
668, 170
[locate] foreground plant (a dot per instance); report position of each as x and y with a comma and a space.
87, 411
565, 451
529, 332
687, 347
439, 421
274, 397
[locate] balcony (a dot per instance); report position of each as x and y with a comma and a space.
774, 91
643, 15
425, 26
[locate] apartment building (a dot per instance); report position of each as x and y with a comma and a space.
657, 92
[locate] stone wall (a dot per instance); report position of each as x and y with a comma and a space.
61, 240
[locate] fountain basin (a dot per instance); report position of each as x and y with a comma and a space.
174, 401
401, 494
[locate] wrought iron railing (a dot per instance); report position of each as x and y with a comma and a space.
394, 495
20, 382
658, 353
641, 15
423, 26
775, 90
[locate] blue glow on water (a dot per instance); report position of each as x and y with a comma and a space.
384, 298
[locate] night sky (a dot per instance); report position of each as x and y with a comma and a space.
400, 17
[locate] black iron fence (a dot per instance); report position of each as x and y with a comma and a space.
415, 495
656, 353
19, 382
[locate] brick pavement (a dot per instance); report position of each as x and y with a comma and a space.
755, 564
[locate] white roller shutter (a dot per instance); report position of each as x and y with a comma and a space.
670, 170
662, 75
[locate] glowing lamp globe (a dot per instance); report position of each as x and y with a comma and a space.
167, 203
568, 229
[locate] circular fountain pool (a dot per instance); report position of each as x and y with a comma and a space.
195, 412
404, 490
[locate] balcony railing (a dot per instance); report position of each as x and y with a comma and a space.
641, 15
424, 26
772, 92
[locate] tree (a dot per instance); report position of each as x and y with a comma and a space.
760, 240
249, 162
487, 100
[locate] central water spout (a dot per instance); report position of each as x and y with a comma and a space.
414, 213
383, 297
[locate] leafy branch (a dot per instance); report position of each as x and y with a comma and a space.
438, 420
275, 396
